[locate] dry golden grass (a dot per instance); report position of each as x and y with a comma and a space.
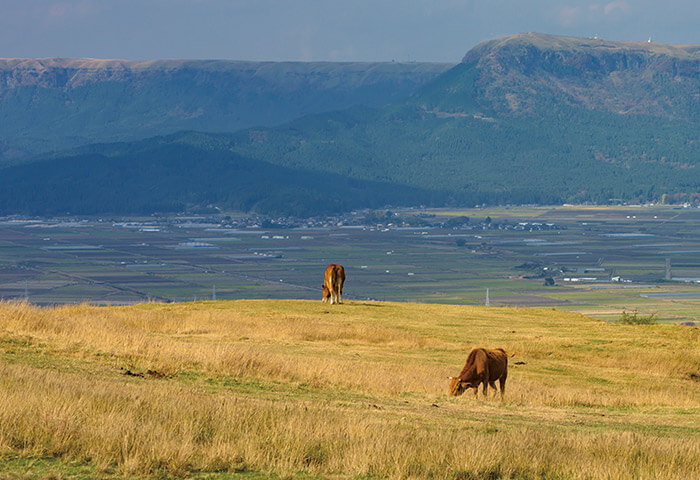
284, 387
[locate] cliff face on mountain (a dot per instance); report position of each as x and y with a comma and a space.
528, 74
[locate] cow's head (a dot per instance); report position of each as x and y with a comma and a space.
326, 293
458, 386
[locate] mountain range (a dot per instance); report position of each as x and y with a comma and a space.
529, 118
58, 104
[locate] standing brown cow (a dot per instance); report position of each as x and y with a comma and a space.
482, 366
333, 283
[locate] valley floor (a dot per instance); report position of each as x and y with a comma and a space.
600, 261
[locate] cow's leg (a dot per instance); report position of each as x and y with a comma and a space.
502, 382
493, 386
340, 295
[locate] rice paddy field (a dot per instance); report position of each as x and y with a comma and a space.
297, 389
601, 260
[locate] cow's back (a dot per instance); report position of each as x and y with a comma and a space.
339, 272
498, 363
334, 276
470, 366
328, 275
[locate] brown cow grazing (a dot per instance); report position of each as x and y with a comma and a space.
333, 283
482, 366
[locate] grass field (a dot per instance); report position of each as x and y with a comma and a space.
259, 389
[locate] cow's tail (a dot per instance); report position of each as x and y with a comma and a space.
511, 354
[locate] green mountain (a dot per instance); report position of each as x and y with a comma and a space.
524, 119
54, 104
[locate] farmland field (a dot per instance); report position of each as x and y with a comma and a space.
602, 260
267, 389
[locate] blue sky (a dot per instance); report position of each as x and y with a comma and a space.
315, 30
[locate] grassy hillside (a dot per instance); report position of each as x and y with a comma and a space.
297, 389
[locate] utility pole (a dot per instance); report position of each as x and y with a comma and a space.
26, 290
213, 292
668, 269
488, 304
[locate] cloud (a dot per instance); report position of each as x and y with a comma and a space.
594, 12
570, 15
58, 10
79, 9
52, 11
617, 5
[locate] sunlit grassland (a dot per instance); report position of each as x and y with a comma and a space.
573, 211
490, 211
260, 389
668, 304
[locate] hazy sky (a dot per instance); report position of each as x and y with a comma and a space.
350, 30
